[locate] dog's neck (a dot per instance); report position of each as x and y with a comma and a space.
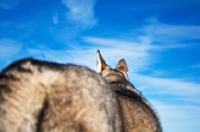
124, 85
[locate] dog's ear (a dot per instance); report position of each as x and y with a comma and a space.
122, 67
100, 63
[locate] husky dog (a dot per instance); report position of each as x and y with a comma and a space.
38, 96
138, 115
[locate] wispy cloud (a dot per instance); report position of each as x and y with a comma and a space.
144, 51
197, 66
72, 55
136, 53
170, 34
55, 18
9, 4
8, 48
178, 88
113, 50
164, 4
80, 12
140, 53
183, 117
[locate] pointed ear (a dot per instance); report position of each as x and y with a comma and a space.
100, 63
122, 67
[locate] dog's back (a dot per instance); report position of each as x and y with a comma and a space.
138, 114
37, 96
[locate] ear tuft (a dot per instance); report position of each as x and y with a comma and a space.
122, 67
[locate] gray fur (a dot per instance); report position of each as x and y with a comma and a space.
39, 96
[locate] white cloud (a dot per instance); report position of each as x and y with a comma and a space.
75, 56
9, 48
178, 117
170, 34
138, 54
80, 12
9, 4
141, 55
87, 56
55, 18
113, 50
183, 90
164, 4
197, 66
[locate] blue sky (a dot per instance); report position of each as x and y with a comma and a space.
160, 41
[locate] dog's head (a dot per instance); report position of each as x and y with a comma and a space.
120, 73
